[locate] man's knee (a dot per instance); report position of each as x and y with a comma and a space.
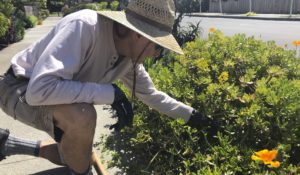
85, 116
81, 117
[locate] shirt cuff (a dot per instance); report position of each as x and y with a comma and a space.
105, 95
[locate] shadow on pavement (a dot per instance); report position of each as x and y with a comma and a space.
56, 171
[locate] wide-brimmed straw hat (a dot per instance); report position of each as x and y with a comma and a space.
152, 19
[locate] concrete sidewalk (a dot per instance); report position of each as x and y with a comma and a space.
23, 165
274, 17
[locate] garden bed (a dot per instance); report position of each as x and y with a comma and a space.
249, 87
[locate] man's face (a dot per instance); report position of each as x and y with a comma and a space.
142, 48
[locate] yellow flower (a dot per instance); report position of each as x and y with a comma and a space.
267, 157
212, 29
296, 43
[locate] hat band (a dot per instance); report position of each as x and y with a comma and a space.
149, 21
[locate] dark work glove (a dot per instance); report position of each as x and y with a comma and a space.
123, 110
200, 121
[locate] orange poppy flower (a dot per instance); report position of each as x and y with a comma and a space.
212, 29
267, 157
296, 43
275, 164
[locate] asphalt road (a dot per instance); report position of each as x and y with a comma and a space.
282, 32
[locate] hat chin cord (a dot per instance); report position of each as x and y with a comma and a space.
135, 63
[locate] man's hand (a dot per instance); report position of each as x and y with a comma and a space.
123, 109
200, 121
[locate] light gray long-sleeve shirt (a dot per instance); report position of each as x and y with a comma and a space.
77, 62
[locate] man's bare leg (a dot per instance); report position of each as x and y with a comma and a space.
49, 151
78, 122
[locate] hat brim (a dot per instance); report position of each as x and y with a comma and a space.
153, 33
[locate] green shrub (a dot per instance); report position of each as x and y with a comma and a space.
31, 21
92, 6
41, 3
251, 88
43, 14
6, 7
103, 5
4, 25
18, 30
20, 15
55, 5
114, 5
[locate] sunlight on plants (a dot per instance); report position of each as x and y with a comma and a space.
223, 77
250, 88
250, 14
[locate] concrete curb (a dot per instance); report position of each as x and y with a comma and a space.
273, 17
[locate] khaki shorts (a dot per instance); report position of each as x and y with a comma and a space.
13, 103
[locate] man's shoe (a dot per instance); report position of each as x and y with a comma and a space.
4, 133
